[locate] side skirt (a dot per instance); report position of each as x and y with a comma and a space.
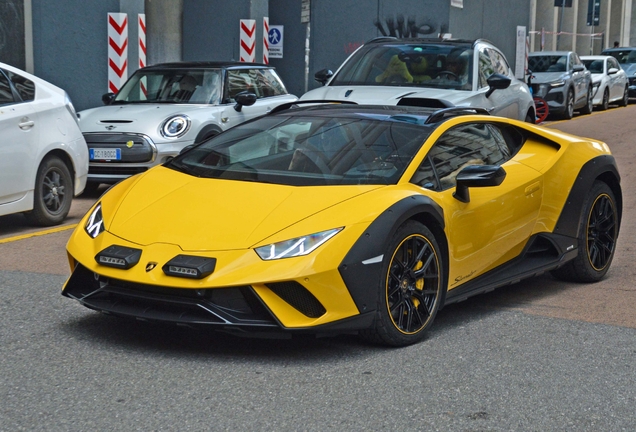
544, 252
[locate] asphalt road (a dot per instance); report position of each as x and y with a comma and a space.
539, 355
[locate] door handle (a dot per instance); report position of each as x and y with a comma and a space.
25, 123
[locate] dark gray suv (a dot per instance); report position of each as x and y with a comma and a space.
562, 80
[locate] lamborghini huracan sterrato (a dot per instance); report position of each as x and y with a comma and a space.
340, 218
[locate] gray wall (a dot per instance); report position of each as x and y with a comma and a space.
494, 20
70, 45
12, 33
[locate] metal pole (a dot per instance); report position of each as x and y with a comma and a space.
560, 23
307, 58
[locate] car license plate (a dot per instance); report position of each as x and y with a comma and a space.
104, 154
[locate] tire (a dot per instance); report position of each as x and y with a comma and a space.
605, 103
53, 193
569, 105
91, 188
530, 118
589, 102
625, 100
598, 233
413, 285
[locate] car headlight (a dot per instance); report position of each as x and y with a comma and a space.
175, 126
596, 84
556, 84
295, 247
95, 223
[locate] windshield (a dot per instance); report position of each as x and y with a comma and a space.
190, 86
548, 63
623, 56
414, 65
308, 150
594, 66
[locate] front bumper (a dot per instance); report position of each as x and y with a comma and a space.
137, 152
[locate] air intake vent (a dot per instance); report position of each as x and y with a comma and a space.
297, 296
115, 121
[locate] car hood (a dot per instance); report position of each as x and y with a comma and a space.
133, 117
379, 95
629, 68
547, 77
166, 206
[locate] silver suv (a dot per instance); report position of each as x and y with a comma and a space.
560, 77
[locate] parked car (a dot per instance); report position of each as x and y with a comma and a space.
561, 79
429, 73
626, 58
347, 218
44, 160
609, 81
165, 107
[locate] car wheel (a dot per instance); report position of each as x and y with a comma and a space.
412, 287
597, 237
569, 105
605, 102
531, 118
589, 102
625, 100
53, 193
91, 188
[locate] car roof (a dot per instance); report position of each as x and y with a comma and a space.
619, 49
207, 65
409, 114
549, 53
594, 57
451, 42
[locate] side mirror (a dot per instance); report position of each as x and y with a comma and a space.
497, 82
578, 68
323, 75
612, 71
244, 98
107, 98
477, 176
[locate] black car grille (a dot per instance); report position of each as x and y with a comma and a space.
236, 306
117, 170
632, 81
141, 150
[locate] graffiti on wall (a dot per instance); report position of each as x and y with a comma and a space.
410, 27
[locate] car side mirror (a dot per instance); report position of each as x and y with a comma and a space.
497, 82
612, 71
107, 98
477, 176
323, 75
244, 98
578, 68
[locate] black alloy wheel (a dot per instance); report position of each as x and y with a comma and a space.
413, 284
597, 237
605, 102
53, 193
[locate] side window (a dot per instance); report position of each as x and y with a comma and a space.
24, 86
485, 68
268, 83
240, 80
499, 62
613, 63
6, 95
471, 144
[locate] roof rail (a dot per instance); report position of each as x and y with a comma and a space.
288, 105
455, 111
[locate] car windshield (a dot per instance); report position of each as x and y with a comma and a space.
548, 63
409, 64
623, 56
192, 86
309, 150
594, 66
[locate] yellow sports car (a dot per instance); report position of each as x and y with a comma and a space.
344, 218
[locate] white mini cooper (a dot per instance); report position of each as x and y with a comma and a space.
165, 107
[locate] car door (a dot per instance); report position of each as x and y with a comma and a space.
577, 71
268, 88
494, 225
18, 142
616, 81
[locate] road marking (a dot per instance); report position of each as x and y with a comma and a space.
38, 233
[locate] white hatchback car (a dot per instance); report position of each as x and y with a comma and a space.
44, 159
429, 73
164, 108
609, 81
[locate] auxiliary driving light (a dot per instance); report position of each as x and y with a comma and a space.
193, 267
119, 257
